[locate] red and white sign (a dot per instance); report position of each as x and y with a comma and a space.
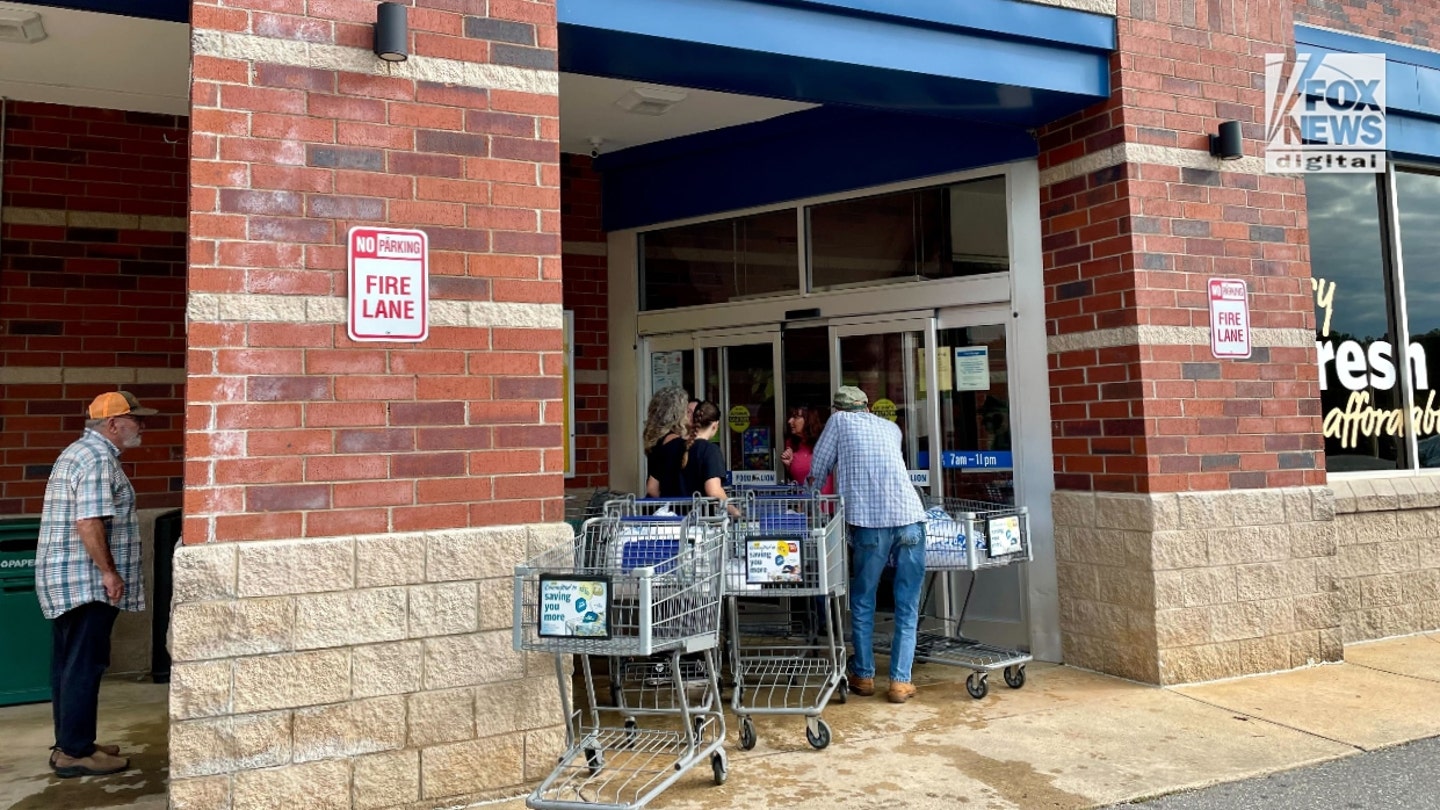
389, 285
1229, 318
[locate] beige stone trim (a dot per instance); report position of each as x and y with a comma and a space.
91, 219
295, 53
10, 375
1148, 154
1146, 335
1096, 6
208, 307
584, 248
1385, 493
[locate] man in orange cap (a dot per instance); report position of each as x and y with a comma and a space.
87, 569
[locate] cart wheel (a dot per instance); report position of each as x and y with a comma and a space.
1015, 676
747, 734
595, 760
820, 737
842, 690
976, 685
718, 767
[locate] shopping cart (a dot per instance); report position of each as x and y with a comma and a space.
968, 535
789, 546
636, 585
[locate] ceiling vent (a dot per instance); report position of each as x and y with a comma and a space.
650, 100
18, 25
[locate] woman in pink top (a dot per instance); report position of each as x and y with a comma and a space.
804, 424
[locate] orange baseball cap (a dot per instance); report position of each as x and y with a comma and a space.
118, 403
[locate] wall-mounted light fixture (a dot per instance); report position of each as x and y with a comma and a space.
1227, 145
19, 25
392, 34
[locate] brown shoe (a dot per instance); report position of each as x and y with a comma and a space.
864, 687
900, 691
97, 764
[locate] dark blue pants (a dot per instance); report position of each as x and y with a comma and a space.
80, 655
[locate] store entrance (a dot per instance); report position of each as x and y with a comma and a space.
956, 443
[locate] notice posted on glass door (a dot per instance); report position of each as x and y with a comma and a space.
572, 607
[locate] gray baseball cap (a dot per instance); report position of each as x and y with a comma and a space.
850, 398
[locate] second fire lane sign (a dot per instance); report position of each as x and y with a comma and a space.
389, 285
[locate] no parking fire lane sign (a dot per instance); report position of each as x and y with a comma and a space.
1229, 318
389, 285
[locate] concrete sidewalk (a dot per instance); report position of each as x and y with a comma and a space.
1075, 739
1068, 739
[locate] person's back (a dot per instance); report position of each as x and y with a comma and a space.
664, 463
870, 470
885, 522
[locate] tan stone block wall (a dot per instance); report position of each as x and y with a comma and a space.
1388, 531
362, 672
1181, 587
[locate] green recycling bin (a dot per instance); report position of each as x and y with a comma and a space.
24, 631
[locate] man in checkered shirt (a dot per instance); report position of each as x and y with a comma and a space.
87, 570
886, 519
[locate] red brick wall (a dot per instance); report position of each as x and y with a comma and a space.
1134, 245
1412, 22
87, 295
295, 431
586, 287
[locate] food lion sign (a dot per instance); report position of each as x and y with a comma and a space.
389, 285
1326, 115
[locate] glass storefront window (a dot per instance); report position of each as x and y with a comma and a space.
1363, 415
933, 233
1418, 200
720, 261
974, 374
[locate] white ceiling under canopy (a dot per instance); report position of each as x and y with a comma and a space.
103, 60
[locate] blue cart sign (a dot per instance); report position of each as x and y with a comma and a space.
976, 460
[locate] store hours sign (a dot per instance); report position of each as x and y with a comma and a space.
389, 285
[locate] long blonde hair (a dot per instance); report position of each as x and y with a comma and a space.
666, 415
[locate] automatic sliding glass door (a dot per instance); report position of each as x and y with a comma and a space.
889, 361
738, 372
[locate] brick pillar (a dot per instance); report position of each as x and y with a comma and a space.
1193, 536
353, 648
586, 293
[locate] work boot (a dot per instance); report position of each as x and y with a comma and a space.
864, 687
900, 691
97, 764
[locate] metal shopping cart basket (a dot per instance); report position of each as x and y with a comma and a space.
790, 546
628, 585
967, 535
641, 685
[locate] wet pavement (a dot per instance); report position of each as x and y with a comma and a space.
1068, 739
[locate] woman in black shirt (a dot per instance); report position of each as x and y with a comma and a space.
666, 428
702, 466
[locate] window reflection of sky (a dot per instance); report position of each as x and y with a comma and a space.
1419, 203
1345, 249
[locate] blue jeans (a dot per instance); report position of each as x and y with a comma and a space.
871, 550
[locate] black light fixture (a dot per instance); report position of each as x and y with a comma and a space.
392, 34
1227, 145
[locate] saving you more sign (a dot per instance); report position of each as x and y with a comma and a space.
389, 285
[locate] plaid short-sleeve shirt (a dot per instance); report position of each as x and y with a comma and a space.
87, 482
864, 451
